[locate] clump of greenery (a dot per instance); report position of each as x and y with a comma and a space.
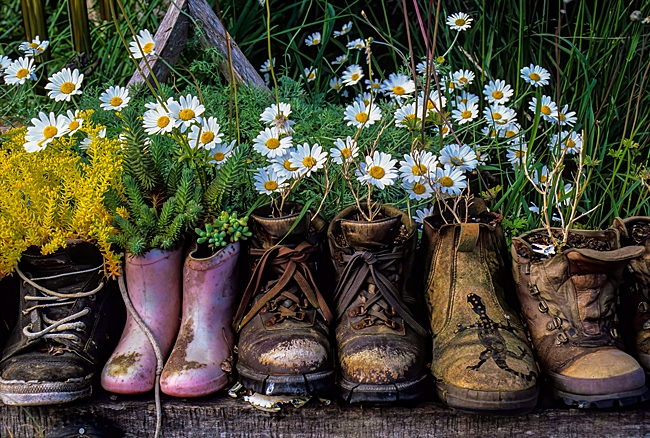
225, 229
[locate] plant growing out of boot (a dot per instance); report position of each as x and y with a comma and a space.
225, 229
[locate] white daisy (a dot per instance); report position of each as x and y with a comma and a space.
35, 47
445, 130
157, 105
221, 152
535, 75
340, 60
314, 39
510, 131
547, 108
345, 29
571, 142
336, 84
278, 116
459, 21
498, 91
74, 121
115, 98
267, 181
398, 86
19, 71
310, 73
344, 151
378, 170
435, 102
375, 85
352, 75
482, 156
465, 113
157, 121
459, 157
64, 84
517, 155
206, 135
358, 44
5, 62
566, 117
422, 213
269, 143
463, 78
360, 115
307, 159
540, 176
499, 115
406, 117
88, 141
533, 208
186, 111
418, 166
465, 97
418, 190
146, 47
364, 98
282, 165
451, 181
266, 67
422, 67
491, 132
44, 129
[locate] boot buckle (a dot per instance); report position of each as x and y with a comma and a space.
534, 290
561, 339
543, 307
613, 332
643, 307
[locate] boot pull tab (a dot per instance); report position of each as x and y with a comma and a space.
468, 237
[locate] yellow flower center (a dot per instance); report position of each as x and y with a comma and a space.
534, 76
445, 129
336, 86
289, 167
33, 45
456, 161
569, 143
377, 172
399, 90
163, 121
270, 185
462, 80
430, 104
497, 94
50, 131
419, 169
73, 125
519, 154
272, 143
543, 178
362, 117
440, 59
460, 22
355, 76
22, 73
147, 48
116, 101
207, 137
446, 181
466, 114
309, 161
496, 116
510, 134
562, 117
315, 41
375, 86
219, 156
418, 188
546, 110
186, 114
366, 102
346, 152
67, 87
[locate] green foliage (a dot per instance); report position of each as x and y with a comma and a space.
225, 229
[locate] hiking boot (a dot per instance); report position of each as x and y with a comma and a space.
381, 344
635, 290
282, 319
56, 347
482, 361
569, 301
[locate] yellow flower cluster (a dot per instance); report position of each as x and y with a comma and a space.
55, 194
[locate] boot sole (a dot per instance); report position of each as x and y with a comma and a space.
602, 401
38, 393
488, 402
363, 392
298, 385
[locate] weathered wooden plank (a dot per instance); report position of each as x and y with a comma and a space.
217, 36
221, 416
170, 38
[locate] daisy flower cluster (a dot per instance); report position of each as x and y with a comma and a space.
23, 69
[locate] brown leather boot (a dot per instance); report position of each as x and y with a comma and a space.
569, 301
635, 290
381, 345
482, 361
282, 319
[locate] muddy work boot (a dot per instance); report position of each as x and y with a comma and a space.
282, 319
381, 344
635, 290
482, 361
569, 301
57, 345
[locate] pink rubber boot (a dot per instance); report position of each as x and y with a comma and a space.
154, 286
201, 360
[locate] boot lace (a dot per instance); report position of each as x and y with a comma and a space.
285, 301
381, 302
54, 329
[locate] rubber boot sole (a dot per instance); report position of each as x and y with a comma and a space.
361, 392
37, 393
602, 401
299, 385
488, 402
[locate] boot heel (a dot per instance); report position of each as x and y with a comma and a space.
400, 391
317, 383
602, 401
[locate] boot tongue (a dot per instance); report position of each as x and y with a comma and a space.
270, 230
375, 235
